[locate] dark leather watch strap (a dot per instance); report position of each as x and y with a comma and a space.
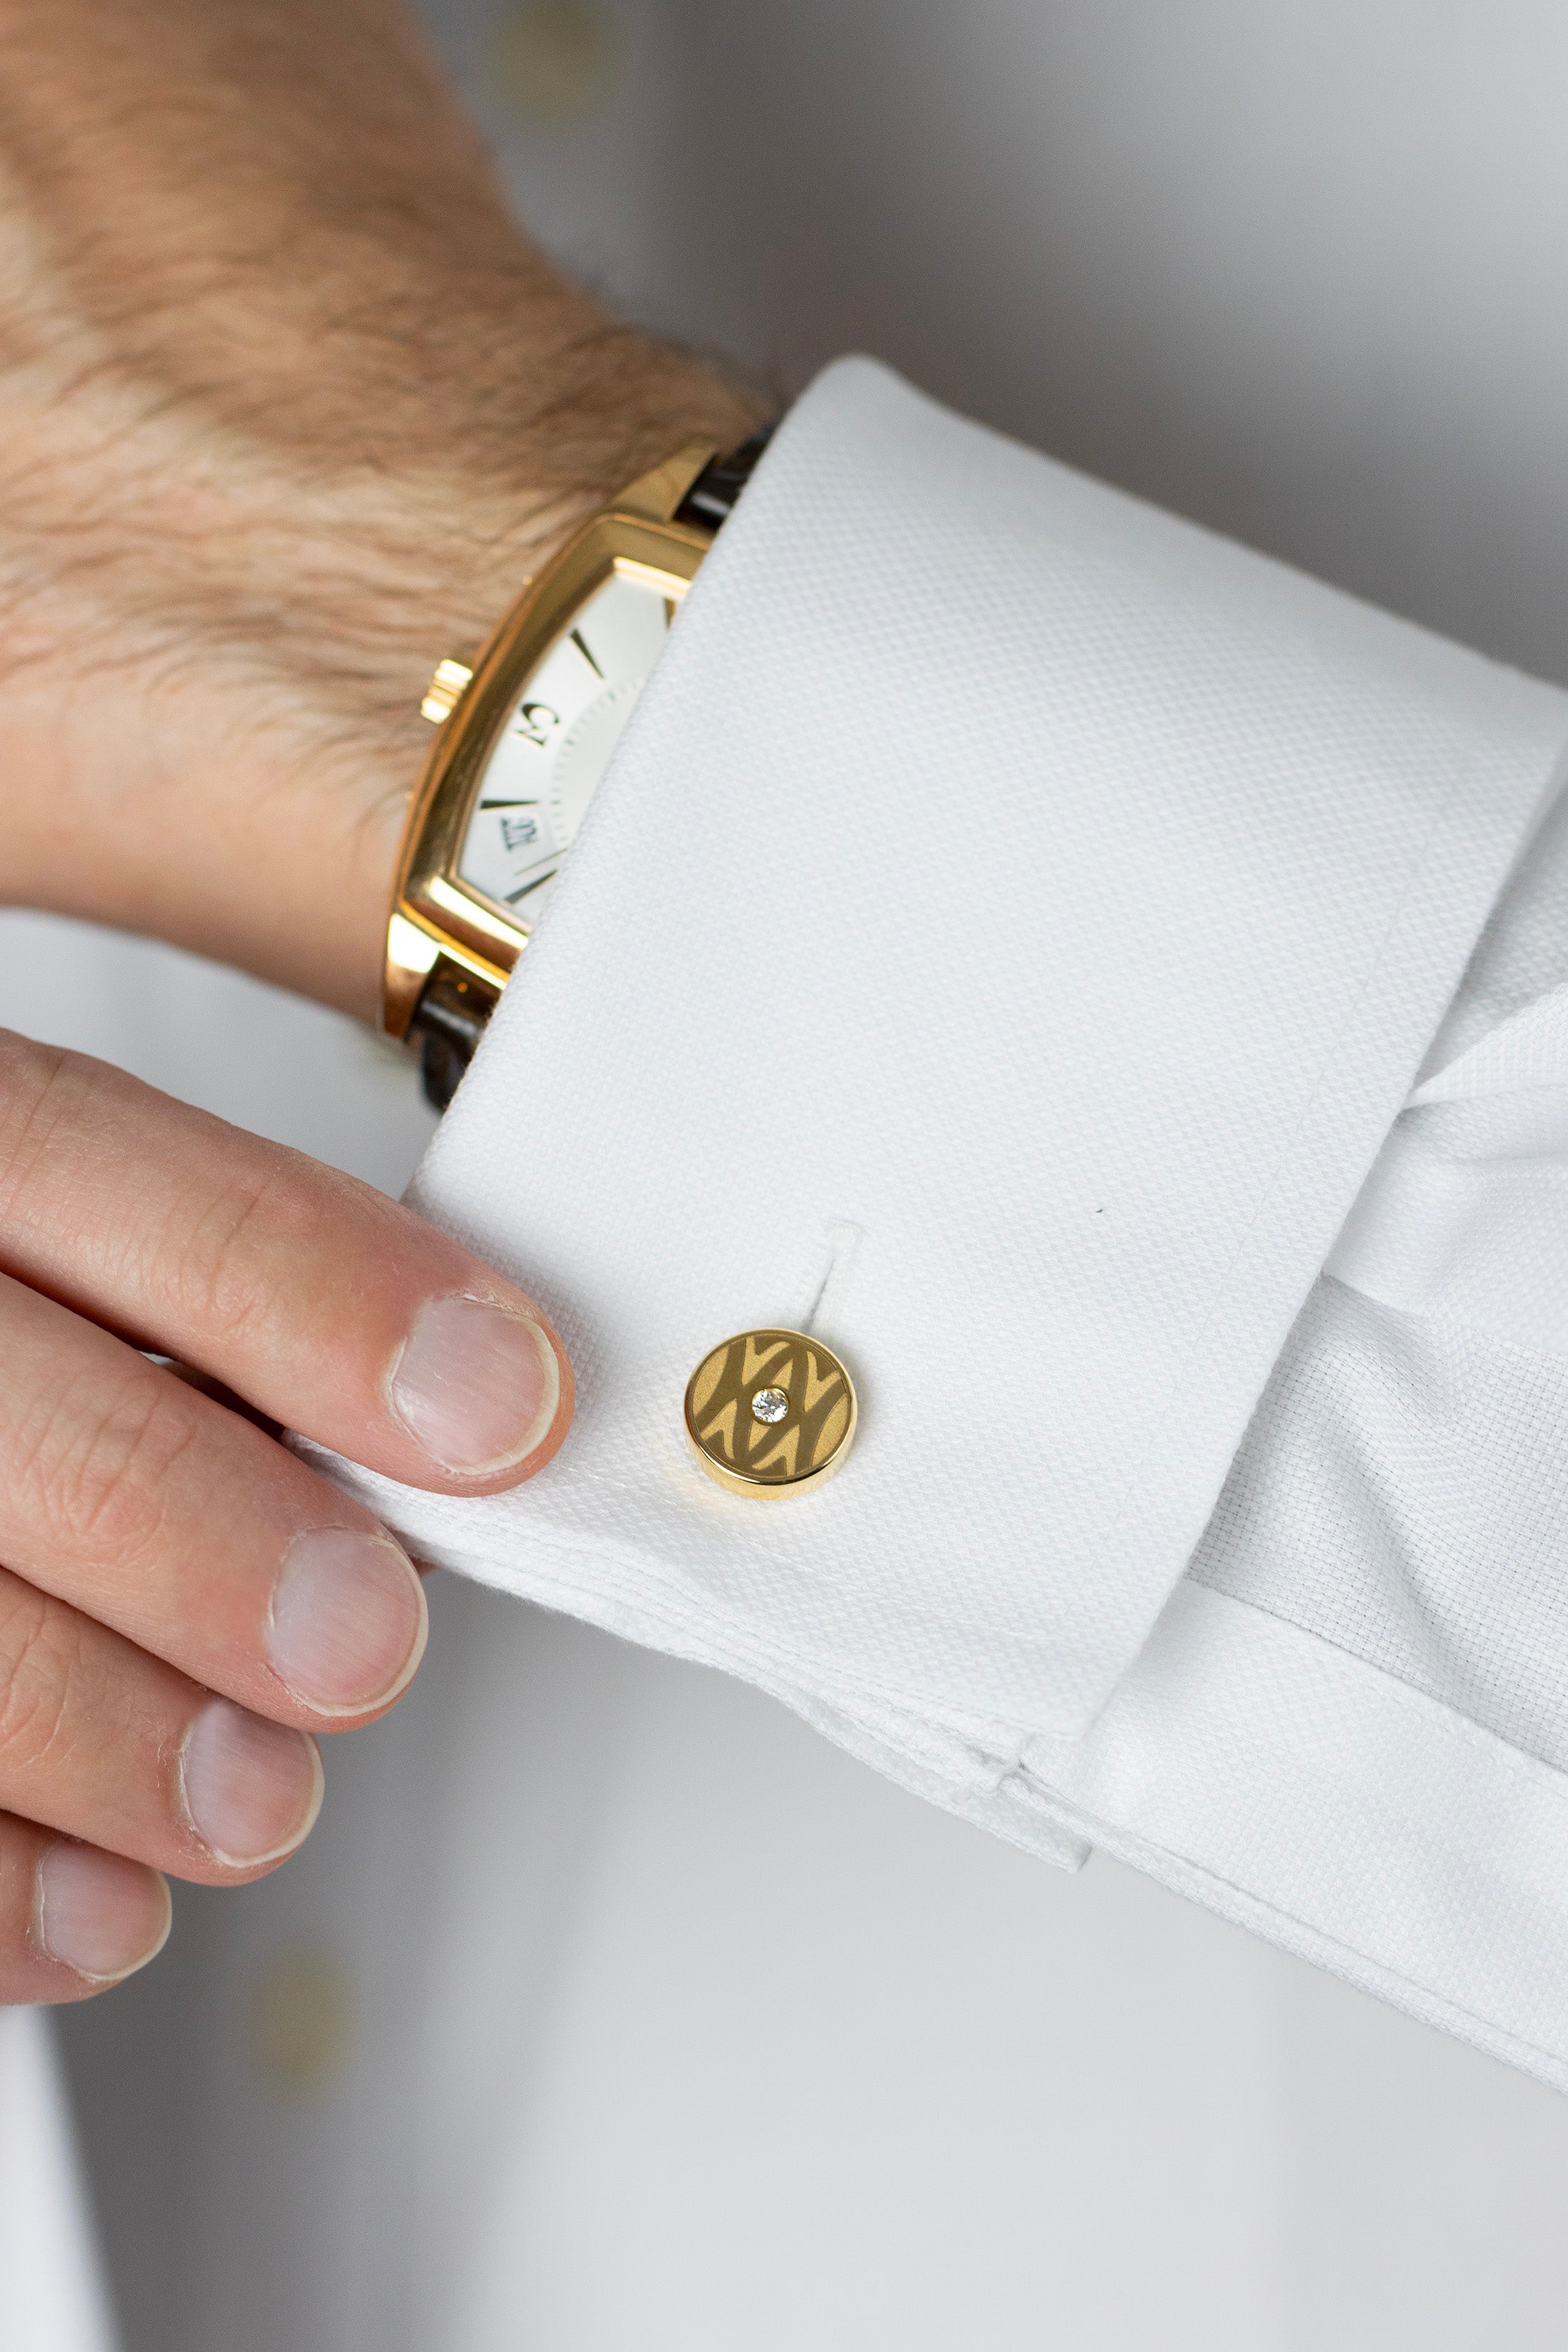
449, 1025
712, 498
453, 1010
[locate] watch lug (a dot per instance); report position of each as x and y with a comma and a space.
411, 958
419, 963
655, 495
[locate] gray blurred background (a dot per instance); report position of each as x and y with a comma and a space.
737, 2047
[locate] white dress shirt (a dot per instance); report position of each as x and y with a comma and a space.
52, 2291
1067, 902
666, 2023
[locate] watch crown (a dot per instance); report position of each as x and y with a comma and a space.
445, 688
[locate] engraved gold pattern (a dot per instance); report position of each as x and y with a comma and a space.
770, 1458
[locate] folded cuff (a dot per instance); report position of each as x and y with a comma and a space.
1007, 932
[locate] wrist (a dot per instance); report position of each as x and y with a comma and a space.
290, 411
242, 793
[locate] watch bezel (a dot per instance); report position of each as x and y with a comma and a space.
435, 913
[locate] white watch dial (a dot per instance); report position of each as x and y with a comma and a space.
557, 743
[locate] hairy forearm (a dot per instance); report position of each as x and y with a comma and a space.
288, 407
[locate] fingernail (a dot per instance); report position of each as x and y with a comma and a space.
252, 1788
478, 1389
97, 1913
348, 1621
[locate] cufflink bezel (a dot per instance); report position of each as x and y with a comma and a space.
738, 1436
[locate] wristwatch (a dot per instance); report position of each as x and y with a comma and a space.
526, 735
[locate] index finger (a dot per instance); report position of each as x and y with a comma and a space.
331, 1308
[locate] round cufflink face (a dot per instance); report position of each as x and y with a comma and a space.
770, 1413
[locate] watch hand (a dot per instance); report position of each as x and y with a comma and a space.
537, 884
485, 805
577, 640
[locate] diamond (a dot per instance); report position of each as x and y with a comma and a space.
770, 1404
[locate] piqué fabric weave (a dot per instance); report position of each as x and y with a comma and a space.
1009, 934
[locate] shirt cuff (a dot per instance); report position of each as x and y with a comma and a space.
1009, 928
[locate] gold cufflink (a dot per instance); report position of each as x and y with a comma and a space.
770, 1413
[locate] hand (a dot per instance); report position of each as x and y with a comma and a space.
289, 409
183, 1602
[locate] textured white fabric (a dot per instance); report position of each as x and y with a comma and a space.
1403, 1491
1008, 933
52, 2293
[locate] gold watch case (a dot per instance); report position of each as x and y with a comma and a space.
436, 917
